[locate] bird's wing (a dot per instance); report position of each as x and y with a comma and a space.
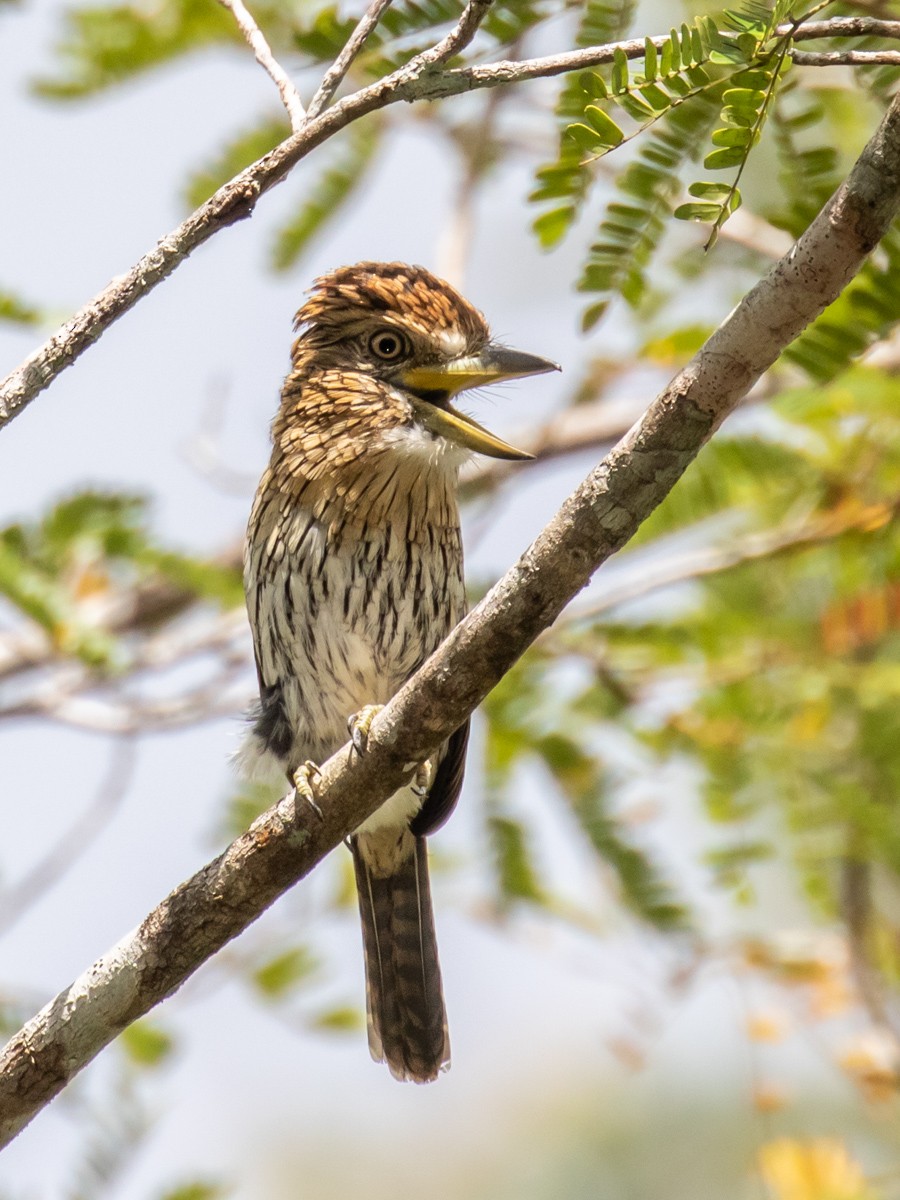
441, 800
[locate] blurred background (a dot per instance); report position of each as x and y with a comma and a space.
668, 903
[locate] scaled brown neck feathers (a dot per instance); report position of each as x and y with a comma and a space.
346, 448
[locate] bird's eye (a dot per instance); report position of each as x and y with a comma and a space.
387, 345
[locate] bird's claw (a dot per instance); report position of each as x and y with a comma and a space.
306, 777
421, 783
360, 724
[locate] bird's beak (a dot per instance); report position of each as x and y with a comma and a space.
432, 387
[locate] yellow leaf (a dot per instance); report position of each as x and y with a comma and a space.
818, 1169
767, 1026
872, 1062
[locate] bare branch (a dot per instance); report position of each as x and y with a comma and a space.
285, 843
332, 78
857, 913
459, 36
235, 200
846, 58
841, 27
255, 39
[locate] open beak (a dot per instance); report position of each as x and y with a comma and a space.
432, 387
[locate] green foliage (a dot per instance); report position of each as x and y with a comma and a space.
788, 666
604, 21
243, 150
330, 192
866, 310
281, 974
102, 46
146, 1044
58, 570
196, 1190
631, 229
527, 721
18, 311
517, 876
697, 66
338, 1019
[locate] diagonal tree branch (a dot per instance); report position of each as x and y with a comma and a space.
255, 39
285, 843
419, 79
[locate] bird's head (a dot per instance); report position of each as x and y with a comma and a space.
384, 347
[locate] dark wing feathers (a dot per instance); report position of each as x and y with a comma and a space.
448, 779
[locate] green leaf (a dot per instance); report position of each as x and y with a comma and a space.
697, 212
553, 225
604, 21
17, 311
619, 71
146, 1044
338, 1019
282, 973
651, 61
196, 1190
104, 46
629, 232
728, 156
711, 191
240, 152
603, 125
581, 781
516, 875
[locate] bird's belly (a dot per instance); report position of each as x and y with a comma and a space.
342, 627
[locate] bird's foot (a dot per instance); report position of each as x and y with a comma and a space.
360, 724
306, 779
421, 783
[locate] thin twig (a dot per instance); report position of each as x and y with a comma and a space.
841, 27
459, 36
255, 39
285, 843
846, 58
332, 78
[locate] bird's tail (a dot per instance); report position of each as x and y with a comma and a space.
404, 1000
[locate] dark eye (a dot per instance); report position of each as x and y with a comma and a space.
387, 345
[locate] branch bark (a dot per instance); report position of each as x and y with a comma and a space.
285, 843
420, 79
255, 39
332, 78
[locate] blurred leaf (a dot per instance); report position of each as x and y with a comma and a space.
581, 781
197, 1190
812, 1169
283, 972
346, 1019
146, 1044
202, 577
17, 311
330, 193
240, 152
516, 873
102, 46
245, 805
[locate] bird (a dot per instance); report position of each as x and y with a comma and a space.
353, 573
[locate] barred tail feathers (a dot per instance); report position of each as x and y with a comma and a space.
407, 1021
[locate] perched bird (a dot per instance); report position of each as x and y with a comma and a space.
354, 575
